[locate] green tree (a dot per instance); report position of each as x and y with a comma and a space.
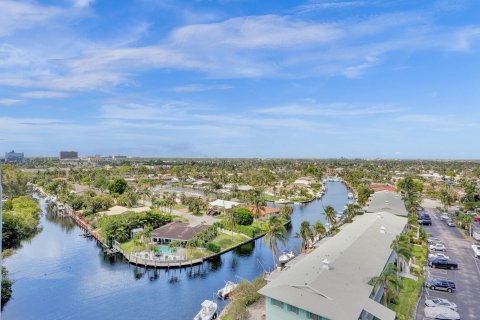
402, 248
117, 186
230, 220
128, 199
243, 216
14, 182
275, 232
350, 212
6, 287
331, 218
319, 229
447, 197
286, 211
305, 234
390, 282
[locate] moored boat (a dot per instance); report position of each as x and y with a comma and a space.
283, 201
286, 256
225, 291
350, 195
208, 311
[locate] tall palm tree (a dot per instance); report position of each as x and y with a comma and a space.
331, 218
231, 220
275, 232
390, 282
258, 201
402, 248
350, 212
286, 211
305, 234
320, 230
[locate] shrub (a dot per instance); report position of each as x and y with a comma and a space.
20, 221
243, 216
117, 186
213, 247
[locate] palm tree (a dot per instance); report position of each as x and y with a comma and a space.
320, 230
331, 217
286, 212
275, 232
231, 220
258, 201
390, 282
305, 234
350, 212
447, 197
402, 248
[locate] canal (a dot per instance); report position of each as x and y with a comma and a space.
61, 275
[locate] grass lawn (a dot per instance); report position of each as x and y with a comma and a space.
179, 206
130, 246
410, 291
270, 197
226, 241
197, 253
183, 219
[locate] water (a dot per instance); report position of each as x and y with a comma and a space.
61, 275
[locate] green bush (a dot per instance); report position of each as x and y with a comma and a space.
20, 221
243, 216
213, 247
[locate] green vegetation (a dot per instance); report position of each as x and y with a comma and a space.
118, 227
225, 241
6, 287
275, 232
202, 238
390, 282
242, 216
20, 220
117, 186
216, 248
244, 295
132, 245
14, 182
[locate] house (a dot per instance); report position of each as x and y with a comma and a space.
176, 231
304, 182
263, 211
382, 187
223, 205
332, 281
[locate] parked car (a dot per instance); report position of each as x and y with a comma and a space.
440, 302
476, 250
437, 247
443, 263
440, 284
425, 220
450, 223
435, 255
477, 218
433, 240
444, 216
441, 313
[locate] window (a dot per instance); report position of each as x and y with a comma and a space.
277, 303
314, 316
292, 309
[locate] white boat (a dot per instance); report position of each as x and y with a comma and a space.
350, 195
225, 291
286, 256
208, 311
283, 201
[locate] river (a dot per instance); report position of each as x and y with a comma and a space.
60, 275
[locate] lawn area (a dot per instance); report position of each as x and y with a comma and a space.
226, 241
130, 246
179, 206
197, 253
268, 197
183, 219
410, 291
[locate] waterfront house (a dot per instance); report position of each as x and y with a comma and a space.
222, 205
263, 211
332, 281
176, 231
304, 182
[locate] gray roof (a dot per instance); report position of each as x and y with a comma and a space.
357, 253
387, 201
177, 230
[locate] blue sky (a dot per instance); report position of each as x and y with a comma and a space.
230, 78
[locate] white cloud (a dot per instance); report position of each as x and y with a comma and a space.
44, 95
82, 3
330, 110
201, 87
17, 15
9, 102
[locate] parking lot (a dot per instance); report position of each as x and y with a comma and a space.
466, 278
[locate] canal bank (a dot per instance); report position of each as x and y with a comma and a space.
60, 274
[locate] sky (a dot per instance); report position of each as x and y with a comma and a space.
231, 78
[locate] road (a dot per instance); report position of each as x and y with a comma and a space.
466, 278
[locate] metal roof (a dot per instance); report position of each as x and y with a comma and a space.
332, 281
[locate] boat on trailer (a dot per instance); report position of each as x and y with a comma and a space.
208, 311
225, 291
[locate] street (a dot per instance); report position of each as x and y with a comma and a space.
466, 278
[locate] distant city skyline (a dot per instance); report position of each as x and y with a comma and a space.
226, 78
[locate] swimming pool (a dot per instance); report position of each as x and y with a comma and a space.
165, 249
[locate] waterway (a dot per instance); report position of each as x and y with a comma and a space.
60, 275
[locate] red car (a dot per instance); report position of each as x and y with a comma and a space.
477, 218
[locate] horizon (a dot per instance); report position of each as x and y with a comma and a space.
305, 79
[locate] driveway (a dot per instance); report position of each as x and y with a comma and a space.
466, 278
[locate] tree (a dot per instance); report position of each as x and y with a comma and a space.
350, 212
390, 282
286, 211
402, 248
14, 181
331, 218
447, 197
6, 287
128, 199
257, 199
305, 234
117, 186
243, 216
275, 232
319, 229
231, 220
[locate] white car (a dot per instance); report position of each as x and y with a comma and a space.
435, 255
444, 217
433, 240
450, 223
442, 313
439, 302
476, 250
437, 247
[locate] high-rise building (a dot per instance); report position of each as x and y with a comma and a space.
68, 155
14, 157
